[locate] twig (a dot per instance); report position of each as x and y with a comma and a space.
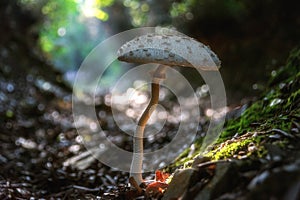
133, 182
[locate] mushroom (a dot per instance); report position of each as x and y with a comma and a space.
165, 50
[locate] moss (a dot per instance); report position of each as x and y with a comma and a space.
280, 101
230, 150
185, 159
278, 108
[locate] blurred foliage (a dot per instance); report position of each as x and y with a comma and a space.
59, 17
67, 23
138, 11
207, 8
244, 34
94, 8
66, 27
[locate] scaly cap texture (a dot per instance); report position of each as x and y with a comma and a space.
169, 49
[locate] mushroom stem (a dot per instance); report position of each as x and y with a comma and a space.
138, 149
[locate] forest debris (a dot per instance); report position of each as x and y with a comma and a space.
158, 187
134, 184
179, 184
284, 133
222, 181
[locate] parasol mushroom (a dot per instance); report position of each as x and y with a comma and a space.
165, 50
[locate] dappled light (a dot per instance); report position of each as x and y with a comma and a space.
149, 99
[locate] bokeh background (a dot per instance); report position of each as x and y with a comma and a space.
251, 37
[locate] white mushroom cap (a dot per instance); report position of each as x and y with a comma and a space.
169, 49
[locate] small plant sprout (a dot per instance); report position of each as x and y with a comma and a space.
165, 50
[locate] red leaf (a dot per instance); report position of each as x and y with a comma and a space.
161, 176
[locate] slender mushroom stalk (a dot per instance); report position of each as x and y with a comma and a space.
166, 50
137, 160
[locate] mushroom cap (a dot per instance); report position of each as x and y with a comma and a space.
169, 49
